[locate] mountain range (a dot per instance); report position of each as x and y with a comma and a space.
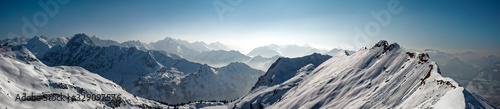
176, 71
154, 74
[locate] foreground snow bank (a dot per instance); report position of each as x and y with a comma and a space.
22, 74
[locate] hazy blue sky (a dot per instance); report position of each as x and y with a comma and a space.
447, 25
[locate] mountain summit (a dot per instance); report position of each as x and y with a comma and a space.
79, 40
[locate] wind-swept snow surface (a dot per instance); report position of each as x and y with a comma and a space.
21, 73
384, 76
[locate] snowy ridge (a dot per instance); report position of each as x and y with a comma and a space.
383, 76
153, 74
285, 68
22, 73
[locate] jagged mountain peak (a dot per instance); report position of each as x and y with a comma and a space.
37, 45
381, 43
37, 39
80, 39
386, 46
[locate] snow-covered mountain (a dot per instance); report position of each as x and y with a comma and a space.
383, 76
58, 41
15, 41
35, 44
38, 45
154, 74
22, 74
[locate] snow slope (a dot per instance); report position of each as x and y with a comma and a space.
384, 76
286, 72
283, 69
21, 73
153, 74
